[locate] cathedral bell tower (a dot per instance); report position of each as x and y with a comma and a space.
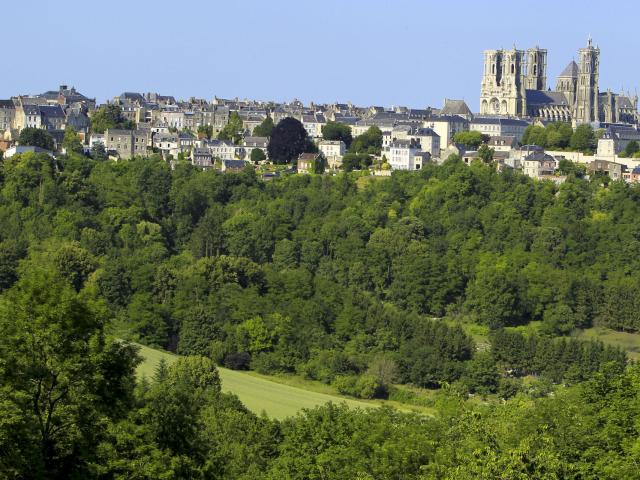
586, 106
536, 71
501, 88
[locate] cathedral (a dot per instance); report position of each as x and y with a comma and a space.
514, 83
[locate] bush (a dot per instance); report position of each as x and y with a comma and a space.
368, 387
217, 351
346, 385
404, 395
267, 363
326, 365
237, 361
364, 386
508, 388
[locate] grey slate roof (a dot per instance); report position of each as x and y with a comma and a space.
498, 121
52, 111
234, 163
424, 132
540, 97
539, 156
198, 151
570, 71
624, 102
455, 107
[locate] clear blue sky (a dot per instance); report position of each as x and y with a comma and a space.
400, 52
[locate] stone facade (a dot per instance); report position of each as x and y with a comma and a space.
126, 144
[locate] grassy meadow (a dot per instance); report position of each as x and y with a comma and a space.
277, 400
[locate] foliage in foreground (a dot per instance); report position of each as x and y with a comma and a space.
70, 408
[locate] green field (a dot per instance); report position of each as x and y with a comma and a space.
627, 341
258, 394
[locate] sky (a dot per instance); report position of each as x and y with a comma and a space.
370, 52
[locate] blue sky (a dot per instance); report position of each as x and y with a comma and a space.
402, 52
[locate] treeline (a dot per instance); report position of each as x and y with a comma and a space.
327, 277
561, 136
557, 359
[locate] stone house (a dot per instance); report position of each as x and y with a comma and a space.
499, 127
233, 166
333, 151
446, 126
611, 169
202, 157
7, 115
307, 162
125, 143
538, 165
404, 155
502, 143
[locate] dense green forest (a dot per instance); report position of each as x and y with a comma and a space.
358, 283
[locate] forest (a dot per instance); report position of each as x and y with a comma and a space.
359, 283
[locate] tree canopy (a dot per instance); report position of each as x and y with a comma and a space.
36, 137
109, 116
233, 130
265, 129
337, 131
471, 139
288, 140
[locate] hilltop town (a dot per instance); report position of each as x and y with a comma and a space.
522, 125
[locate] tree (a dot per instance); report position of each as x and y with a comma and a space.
174, 405
207, 239
232, 131
631, 148
370, 142
36, 137
98, 152
385, 371
320, 164
337, 131
75, 264
265, 129
485, 153
288, 140
583, 139
535, 135
65, 379
493, 297
567, 167
257, 155
355, 161
109, 116
558, 135
71, 142
471, 139
481, 374
205, 131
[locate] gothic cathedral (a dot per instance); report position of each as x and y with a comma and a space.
514, 83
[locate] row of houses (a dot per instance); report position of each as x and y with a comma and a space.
411, 137
541, 164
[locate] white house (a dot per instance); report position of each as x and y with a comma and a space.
333, 151
404, 155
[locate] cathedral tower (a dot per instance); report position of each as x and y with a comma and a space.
501, 89
586, 108
536, 69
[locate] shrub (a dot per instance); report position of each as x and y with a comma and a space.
237, 361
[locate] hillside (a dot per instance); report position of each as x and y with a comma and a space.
259, 395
